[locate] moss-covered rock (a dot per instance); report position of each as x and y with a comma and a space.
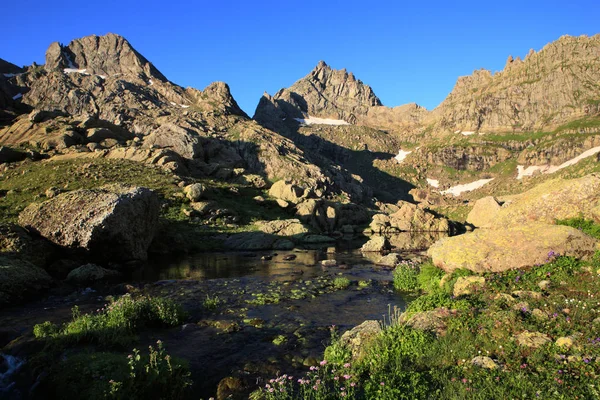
552, 200
20, 280
513, 247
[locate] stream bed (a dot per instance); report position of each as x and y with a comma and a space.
250, 315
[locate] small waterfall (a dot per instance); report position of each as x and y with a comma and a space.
8, 366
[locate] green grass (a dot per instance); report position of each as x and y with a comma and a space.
116, 324
28, 181
406, 363
587, 226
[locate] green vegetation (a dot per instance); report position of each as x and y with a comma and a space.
116, 324
587, 226
211, 303
341, 282
28, 181
485, 349
405, 277
115, 376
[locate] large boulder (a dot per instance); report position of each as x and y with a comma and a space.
115, 223
14, 240
284, 227
285, 190
483, 212
319, 214
20, 280
407, 217
552, 200
514, 247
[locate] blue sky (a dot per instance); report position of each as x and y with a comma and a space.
406, 51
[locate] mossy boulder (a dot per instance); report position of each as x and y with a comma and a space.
360, 337
467, 285
20, 280
514, 247
483, 212
90, 273
552, 200
115, 223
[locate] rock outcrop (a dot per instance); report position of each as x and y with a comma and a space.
113, 223
549, 201
407, 217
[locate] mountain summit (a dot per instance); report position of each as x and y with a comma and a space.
323, 93
101, 55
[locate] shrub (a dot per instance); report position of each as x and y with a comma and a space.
405, 277
429, 277
210, 303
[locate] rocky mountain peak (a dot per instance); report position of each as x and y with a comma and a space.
323, 93
106, 55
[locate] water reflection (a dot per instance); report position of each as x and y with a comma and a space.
227, 265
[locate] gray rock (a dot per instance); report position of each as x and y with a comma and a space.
390, 260
360, 337
484, 362
194, 192
376, 244
114, 223
89, 273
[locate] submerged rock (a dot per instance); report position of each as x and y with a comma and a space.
391, 260
114, 223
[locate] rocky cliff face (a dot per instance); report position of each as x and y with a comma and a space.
545, 89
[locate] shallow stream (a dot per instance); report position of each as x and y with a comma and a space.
271, 315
